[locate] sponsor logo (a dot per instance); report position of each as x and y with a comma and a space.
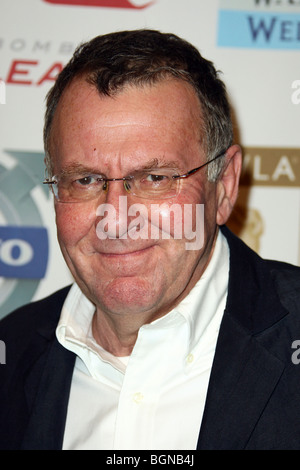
33, 69
137, 4
262, 24
268, 168
271, 167
23, 252
20, 73
23, 239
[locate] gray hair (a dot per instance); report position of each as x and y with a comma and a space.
111, 61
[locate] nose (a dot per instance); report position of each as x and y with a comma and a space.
112, 220
113, 189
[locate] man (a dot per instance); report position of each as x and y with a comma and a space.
175, 335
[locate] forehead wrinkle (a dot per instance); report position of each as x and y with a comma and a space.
76, 167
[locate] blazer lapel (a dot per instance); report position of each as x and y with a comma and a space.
245, 371
53, 370
244, 375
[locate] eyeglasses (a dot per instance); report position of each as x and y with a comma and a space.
161, 183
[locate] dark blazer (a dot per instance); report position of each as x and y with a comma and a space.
253, 399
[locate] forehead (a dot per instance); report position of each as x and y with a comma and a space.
149, 120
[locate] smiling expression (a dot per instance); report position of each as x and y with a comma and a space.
116, 136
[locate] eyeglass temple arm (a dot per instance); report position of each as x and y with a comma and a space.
128, 178
46, 181
201, 166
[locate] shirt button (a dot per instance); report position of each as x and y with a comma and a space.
138, 398
190, 358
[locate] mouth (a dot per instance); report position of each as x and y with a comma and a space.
126, 253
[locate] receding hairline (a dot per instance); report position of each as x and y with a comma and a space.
127, 86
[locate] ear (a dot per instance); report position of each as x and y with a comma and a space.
228, 184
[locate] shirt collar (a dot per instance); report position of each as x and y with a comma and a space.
74, 331
204, 306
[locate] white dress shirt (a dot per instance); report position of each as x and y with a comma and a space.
154, 399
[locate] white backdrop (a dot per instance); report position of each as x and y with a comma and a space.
256, 44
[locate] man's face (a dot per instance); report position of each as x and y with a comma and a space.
115, 136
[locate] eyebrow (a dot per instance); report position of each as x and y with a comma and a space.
161, 163
77, 168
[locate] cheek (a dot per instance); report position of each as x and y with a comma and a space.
73, 223
198, 205
181, 216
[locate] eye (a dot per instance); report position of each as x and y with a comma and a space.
87, 180
156, 178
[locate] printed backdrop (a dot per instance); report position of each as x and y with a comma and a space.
255, 43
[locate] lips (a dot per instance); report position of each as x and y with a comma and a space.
125, 252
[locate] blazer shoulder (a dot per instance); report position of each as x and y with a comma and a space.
260, 291
287, 280
43, 315
290, 270
31, 351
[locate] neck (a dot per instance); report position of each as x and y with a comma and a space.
116, 335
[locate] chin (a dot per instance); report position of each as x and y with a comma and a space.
128, 295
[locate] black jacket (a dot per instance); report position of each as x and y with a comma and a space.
253, 399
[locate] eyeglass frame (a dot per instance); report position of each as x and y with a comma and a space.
129, 178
